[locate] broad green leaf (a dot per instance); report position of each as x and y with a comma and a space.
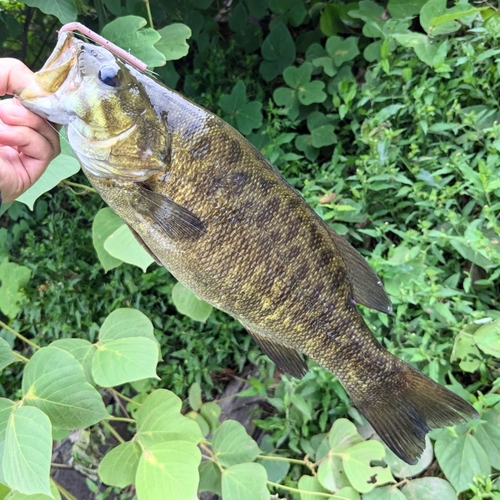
210, 477
211, 413
342, 50
309, 485
119, 466
278, 50
82, 350
401, 469
159, 419
361, 474
232, 445
408, 8
124, 323
60, 168
195, 400
276, 469
465, 349
298, 77
4, 490
13, 278
28, 451
487, 338
245, 481
429, 488
169, 467
311, 92
202, 423
425, 48
6, 355
186, 302
331, 473
290, 12
6, 408
434, 9
64, 10
461, 458
129, 33
487, 434
54, 382
385, 493
123, 245
106, 222
323, 136
343, 435
119, 361
288, 98
16, 495
173, 43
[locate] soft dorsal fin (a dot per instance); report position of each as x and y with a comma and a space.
287, 359
366, 285
176, 221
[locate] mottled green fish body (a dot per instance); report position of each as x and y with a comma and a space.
207, 205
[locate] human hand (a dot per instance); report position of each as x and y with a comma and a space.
27, 142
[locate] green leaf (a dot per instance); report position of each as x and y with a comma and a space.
342, 50
211, 413
289, 11
82, 350
202, 423
288, 98
64, 10
461, 458
54, 382
385, 493
126, 323
16, 495
60, 168
323, 136
424, 47
276, 469
487, 434
119, 361
343, 435
119, 466
6, 355
6, 408
487, 338
173, 43
159, 420
169, 467
408, 8
13, 278
310, 485
123, 245
129, 33
312, 92
210, 477
246, 481
232, 445
298, 77
278, 50
361, 474
434, 9
186, 302
28, 451
429, 488
195, 400
106, 222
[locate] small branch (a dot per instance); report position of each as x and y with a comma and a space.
61, 466
110, 428
121, 419
119, 402
65, 493
18, 335
150, 17
20, 357
312, 493
125, 398
282, 459
77, 185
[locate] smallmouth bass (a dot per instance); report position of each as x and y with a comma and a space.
209, 207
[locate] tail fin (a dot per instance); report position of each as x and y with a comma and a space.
403, 414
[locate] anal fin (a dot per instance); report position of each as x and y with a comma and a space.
367, 287
287, 359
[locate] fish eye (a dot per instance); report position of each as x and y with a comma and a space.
109, 75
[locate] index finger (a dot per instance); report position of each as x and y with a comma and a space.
14, 75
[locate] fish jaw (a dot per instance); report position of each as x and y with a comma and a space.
57, 76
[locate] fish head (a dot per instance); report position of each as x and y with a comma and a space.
111, 124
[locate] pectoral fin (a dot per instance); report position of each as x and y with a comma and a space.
367, 287
176, 221
287, 359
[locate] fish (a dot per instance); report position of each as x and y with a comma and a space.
207, 205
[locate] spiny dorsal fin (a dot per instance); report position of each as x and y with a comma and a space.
176, 221
366, 285
287, 359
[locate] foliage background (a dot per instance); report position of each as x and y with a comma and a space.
385, 116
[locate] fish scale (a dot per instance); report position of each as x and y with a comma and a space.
210, 207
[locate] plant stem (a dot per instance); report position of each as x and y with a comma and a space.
110, 428
78, 185
125, 398
64, 492
20, 357
150, 17
296, 490
282, 459
18, 335
121, 419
